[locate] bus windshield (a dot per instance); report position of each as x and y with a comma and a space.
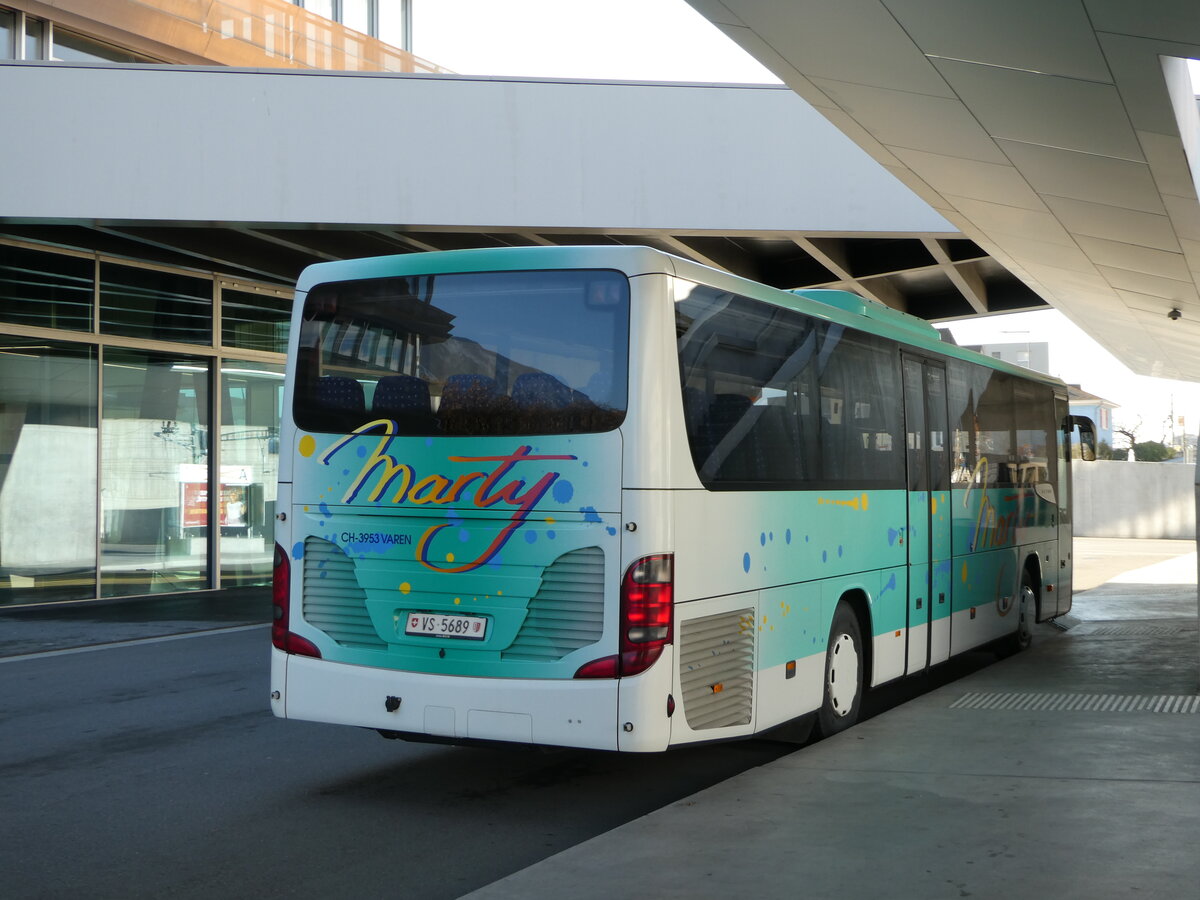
493, 353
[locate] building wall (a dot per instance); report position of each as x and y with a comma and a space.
1135, 500
1032, 355
250, 33
115, 478
170, 144
1101, 416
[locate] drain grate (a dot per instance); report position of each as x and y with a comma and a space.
1160, 703
1126, 630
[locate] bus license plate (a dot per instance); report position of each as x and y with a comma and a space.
471, 628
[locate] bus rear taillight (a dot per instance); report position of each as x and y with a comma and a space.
281, 585
647, 612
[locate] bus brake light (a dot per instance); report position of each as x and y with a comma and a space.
647, 613
281, 637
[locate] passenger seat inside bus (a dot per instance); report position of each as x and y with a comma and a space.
725, 414
470, 392
537, 390
337, 393
473, 404
405, 400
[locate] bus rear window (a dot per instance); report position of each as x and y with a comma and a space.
495, 353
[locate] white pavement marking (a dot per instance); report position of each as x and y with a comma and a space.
133, 642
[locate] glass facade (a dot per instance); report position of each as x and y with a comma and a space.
35, 39
114, 481
7, 30
387, 20
47, 289
48, 418
71, 47
254, 320
357, 14
153, 304
251, 403
27, 37
154, 467
354, 35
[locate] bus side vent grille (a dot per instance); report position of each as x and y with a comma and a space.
716, 669
568, 610
332, 598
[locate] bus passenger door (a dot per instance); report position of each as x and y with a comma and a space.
928, 532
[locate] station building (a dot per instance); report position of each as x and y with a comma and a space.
178, 164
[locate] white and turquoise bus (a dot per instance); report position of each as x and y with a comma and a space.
605, 497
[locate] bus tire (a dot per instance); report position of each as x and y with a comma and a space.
843, 687
1026, 612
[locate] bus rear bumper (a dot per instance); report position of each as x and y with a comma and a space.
567, 713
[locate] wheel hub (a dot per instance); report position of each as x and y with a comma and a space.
843, 675
1025, 614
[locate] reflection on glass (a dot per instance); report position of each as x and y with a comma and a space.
49, 290
154, 474
163, 306
70, 47
251, 401
47, 462
255, 321
776, 399
1035, 432
6, 34
34, 28
540, 352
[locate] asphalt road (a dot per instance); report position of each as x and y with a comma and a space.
156, 769
151, 766
148, 769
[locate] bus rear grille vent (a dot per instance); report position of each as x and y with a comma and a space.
1161, 703
332, 599
716, 669
568, 610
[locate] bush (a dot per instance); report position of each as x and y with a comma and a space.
1152, 451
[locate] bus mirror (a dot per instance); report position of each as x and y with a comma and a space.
1087, 436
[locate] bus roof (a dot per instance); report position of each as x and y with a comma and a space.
840, 306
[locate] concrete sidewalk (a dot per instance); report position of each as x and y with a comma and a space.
1069, 771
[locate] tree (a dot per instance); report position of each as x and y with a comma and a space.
1129, 432
1152, 451
1104, 451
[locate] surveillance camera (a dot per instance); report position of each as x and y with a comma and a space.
1174, 315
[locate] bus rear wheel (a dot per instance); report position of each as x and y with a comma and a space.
1026, 613
843, 692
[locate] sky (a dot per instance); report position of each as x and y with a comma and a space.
650, 40
666, 40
